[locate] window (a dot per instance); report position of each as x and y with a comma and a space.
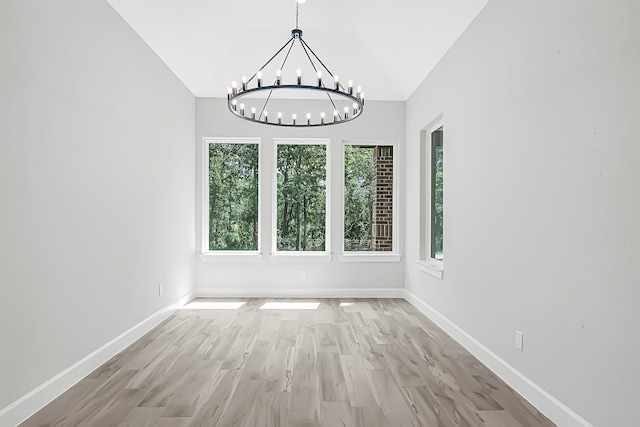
232, 211
432, 202
300, 223
436, 247
369, 197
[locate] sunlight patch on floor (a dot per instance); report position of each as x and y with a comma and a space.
290, 306
214, 305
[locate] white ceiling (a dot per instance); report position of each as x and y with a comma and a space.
386, 47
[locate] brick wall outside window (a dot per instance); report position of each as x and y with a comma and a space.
382, 225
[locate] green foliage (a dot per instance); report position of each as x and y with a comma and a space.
359, 174
233, 196
437, 214
301, 197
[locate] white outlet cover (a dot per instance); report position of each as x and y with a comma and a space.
519, 339
303, 274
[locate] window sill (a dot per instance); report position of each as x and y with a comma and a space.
231, 256
301, 257
431, 268
370, 257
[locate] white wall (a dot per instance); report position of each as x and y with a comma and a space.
96, 185
381, 121
542, 145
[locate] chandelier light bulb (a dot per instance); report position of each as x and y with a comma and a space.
229, 92
279, 118
242, 109
362, 96
234, 104
244, 82
319, 78
259, 78
335, 115
293, 117
278, 77
308, 118
266, 116
346, 112
322, 115
336, 82
350, 90
234, 87
253, 112
299, 73
355, 108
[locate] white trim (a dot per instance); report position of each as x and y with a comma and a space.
204, 245
370, 257
229, 256
300, 293
430, 267
274, 193
301, 257
396, 179
555, 410
37, 398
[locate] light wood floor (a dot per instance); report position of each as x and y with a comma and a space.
373, 362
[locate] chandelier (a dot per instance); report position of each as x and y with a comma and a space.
250, 99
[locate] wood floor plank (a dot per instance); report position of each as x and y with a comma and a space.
141, 417
512, 402
358, 381
498, 419
392, 400
427, 408
351, 362
305, 398
332, 383
215, 404
337, 414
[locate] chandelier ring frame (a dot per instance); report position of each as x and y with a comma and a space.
235, 109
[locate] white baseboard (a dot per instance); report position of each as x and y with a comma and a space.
555, 410
36, 399
301, 293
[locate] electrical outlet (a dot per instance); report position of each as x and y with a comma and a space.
160, 289
519, 338
303, 274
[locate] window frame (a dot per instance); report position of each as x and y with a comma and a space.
226, 255
306, 256
372, 256
426, 263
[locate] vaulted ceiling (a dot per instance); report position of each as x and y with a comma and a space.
386, 47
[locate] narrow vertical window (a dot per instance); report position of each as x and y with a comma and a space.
436, 245
233, 220
368, 198
301, 192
